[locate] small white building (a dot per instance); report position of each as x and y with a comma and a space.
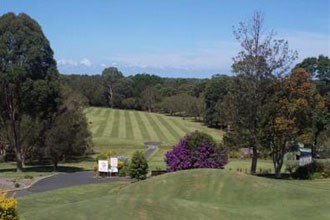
304, 155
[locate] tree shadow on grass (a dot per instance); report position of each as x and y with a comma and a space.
46, 168
284, 176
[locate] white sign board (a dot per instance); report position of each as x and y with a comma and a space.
114, 162
103, 166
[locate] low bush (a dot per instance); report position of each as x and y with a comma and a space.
317, 169
8, 207
124, 171
138, 168
101, 157
196, 150
235, 154
110, 153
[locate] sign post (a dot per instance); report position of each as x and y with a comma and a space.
114, 165
103, 166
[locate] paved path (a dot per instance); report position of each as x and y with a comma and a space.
73, 179
148, 153
67, 180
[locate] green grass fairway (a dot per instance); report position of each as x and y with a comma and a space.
126, 130
194, 194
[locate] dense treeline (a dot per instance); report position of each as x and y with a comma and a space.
141, 92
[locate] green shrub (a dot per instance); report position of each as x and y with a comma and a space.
315, 175
310, 171
110, 153
124, 171
194, 139
138, 168
325, 164
102, 157
235, 154
8, 207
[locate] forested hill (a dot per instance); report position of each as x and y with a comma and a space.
141, 91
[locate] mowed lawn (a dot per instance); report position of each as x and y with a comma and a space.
126, 130
192, 194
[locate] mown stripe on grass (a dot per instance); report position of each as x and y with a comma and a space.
104, 112
100, 130
168, 127
109, 123
135, 127
151, 130
122, 124
181, 126
128, 125
175, 127
156, 127
142, 126
115, 126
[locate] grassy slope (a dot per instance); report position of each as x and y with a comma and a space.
195, 194
126, 130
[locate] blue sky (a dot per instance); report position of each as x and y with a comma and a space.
181, 38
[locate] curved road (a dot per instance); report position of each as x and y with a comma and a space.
67, 180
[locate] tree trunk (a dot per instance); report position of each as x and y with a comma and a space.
278, 171
55, 164
254, 160
18, 146
110, 95
19, 163
23, 159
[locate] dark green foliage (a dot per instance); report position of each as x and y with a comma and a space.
125, 170
313, 170
91, 87
318, 67
183, 105
140, 92
215, 92
138, 168
101, 157
111, 76
68, 135
28, 80
195, 139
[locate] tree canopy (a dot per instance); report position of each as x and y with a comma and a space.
28, 78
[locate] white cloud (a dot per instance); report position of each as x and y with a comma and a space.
103, 65
218, 55
212, 56
86, 62
69, 62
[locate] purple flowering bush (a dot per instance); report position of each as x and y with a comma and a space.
196, 150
